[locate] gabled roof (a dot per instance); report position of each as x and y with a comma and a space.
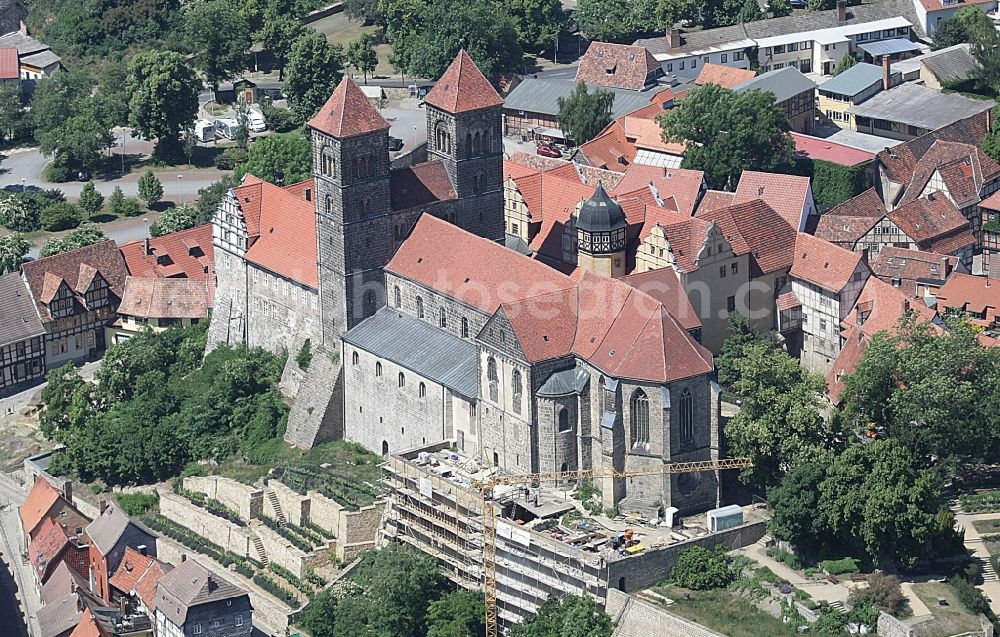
844, 230
63, 581
190, 585
419, 185
184, 254
663, 285
145, 588
40, 501
282, 229
822, 263
722, 75
783, 83
551, 201
683, 185
463, 87
906, 267
60, 615
611, 149
974, 294
755, 227
617, 65
687, 238
167, 298
788, 195
88, 626
131, 569
963, 168
854, 80
10, 66
932, 220
348, 113
109, 527
866, 204
955, 65
49, 542
66, 267
714, 199
19, 318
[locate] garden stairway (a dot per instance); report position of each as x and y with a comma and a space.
259, 546
279, 515
989, 573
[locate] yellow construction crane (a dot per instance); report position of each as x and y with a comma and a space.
485, 488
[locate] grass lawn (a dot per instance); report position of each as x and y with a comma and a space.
987, 527
340, 29
725, 612
948, 620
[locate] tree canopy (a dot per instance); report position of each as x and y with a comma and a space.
314, 70
13, 248
583, 115
566, 616
219, 35
162, 95
845, 63
537, 22
87, 234
279, 159
728, 132
174, 219
970, 25
361, 55
71, 123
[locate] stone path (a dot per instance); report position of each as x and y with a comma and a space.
821, 590
974, 543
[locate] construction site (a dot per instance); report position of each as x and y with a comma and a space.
530, 538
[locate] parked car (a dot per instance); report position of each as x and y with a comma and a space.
395, 143
83, 175
204, 130
548, 150
799, 4
225, 128
255, 120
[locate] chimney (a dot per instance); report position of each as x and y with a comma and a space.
149, 251
886, 73
309, 194
102, 506
841, 10
67, 490
989, 121
673, 38
142, 549
184, 557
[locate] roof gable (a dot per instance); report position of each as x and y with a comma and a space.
823, 264
42, 497
617, 65
463, 87
44, 275
285, 226
788, 195
348, 113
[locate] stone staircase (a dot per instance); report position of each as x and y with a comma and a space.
838, 606
989, 573
258, 545
279, 515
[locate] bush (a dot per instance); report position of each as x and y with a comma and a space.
138, 503
61, 216
20, 213
230, 158
131, 207
698, 568
276, 589
91, 201
174, 220
305, 356
884, 591
840, 567
970, 596
787, 558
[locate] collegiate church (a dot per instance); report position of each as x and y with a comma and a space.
424, 327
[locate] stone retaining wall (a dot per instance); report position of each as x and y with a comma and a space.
281, 552
246, 500
294, 506
211, 527
358, 531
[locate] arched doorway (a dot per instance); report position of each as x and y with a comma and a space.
385, 447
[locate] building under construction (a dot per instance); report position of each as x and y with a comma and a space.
545, 544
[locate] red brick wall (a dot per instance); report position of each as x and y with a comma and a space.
99, 566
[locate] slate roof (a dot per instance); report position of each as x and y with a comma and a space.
420, 347
563, 383
757, 228
67, 267
796, 23
722, 75
189, 585
854, 80
10, 67
893, 46
537, 95
823, 264
920, 106
63, 581
187, 253
788, 195
617, 66
784, 83
18, 317
348, 113
109, 527
60, 615
419, 185
462, 88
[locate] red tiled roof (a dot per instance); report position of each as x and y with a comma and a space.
48, 543
131, 569
551, 201
660, 102
787, 299
167, 298
867, 204
568, 169
974, 294
931, 220
787, 194
906, 267
10, 64
419, 185
992, 202
285, 231
299, 189
960, 166
686, 240
610, 150
843, 230
145, 588
618, 66
513, 169
938, 5
757, 228
683, 185
715, 199
348, 113
187, 253
809, 147
645, 133
823, 264
43, 273
724, 76
88, 626
39, 502
663, 285
463, 87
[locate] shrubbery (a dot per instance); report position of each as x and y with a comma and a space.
276, 589
884, 591
843, 566
138, 503
698, 568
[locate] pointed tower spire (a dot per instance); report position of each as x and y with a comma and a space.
463, 87
348, 112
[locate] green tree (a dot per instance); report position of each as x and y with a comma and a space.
779, 422
314, 69
443, 27
458, 614
720, 13
537, 22
742, 334
401, 18
280, 32
111, 94
727, 133
845, 63
60, 216
150, 188
780, 8
219, 34
279, 159
242, 133
20, 213
62, 385
567, 616
990, 143
15, 120
118, 201
583, 115
163, 98
174, 219
970, 25
70, 123
794, 502
87, 234
698, 568
361, 55
210, 197
91, 201
884, 591
606, 20
13, 248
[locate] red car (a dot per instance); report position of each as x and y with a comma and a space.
548, 150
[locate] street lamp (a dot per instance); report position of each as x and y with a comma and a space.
180, 194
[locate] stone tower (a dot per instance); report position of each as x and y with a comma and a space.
463, 131
350, 146
600, 235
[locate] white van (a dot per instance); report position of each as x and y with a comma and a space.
255, 120
204, 130
225, 128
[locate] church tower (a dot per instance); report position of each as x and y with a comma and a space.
600, 235
350, 146
463, 131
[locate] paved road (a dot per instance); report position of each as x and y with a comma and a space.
11, 547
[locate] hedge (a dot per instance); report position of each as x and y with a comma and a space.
277, 569
840, 567
981, 502
277, 590
285, 531
833, 184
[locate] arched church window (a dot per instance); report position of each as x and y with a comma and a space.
685, 415
378, 368
397, 297
442, 318
420, 307
492, 379
516, 390
640, 417
564, 420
